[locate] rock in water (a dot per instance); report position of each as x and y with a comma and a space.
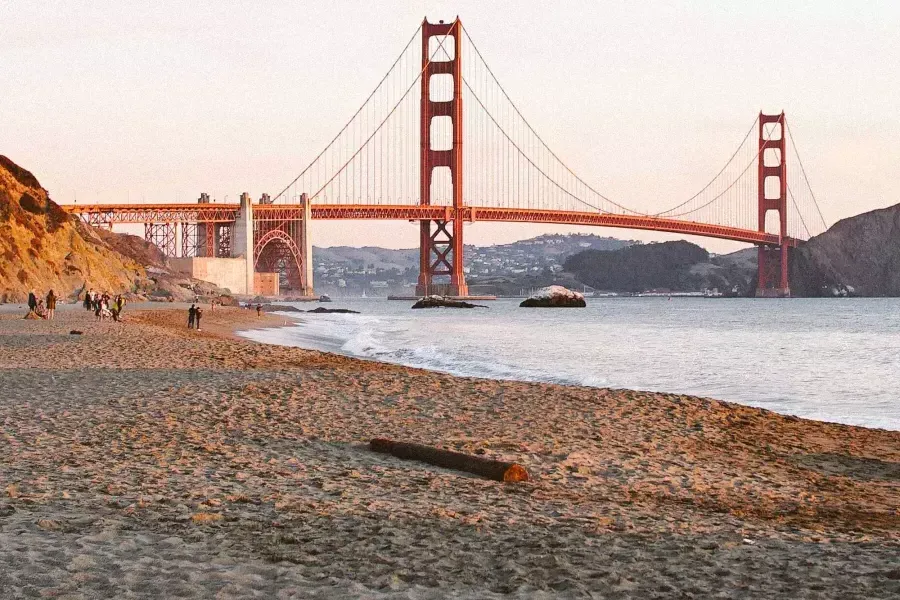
555, 296
279, 308
441, 302
329, 311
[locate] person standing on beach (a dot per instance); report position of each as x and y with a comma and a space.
192, 314
51, 305
197, 314
87, 300
32, 301
258, 310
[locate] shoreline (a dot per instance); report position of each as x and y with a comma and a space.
375, 360
145, 448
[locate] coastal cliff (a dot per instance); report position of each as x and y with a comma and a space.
859, 255
43, 247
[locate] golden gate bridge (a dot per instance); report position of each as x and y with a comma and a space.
440, 142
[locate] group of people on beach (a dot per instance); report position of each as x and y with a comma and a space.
39, 308
104, 306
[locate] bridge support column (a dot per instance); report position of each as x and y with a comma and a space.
306, 275
242, 240
441, 241
772, 268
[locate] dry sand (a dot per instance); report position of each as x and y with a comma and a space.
143, 460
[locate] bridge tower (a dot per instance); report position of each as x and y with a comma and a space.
772, 266
441, 241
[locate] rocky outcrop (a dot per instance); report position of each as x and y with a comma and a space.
857, 256
442, 302
555, 296
43, 248
276, 308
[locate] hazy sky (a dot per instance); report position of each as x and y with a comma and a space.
163, 100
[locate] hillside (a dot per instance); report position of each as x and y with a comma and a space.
42, 247
860, 253
640, 267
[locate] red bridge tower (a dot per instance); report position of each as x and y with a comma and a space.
772, 267
441, 241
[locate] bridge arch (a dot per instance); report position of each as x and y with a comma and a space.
276, 250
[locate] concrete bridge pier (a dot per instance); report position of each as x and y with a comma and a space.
242, 241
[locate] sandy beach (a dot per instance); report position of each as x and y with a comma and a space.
145, 460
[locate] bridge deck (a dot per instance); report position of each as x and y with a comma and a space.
223, 213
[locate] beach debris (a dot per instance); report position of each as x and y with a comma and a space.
554, 296
205, 517
442, 302
49, 524
76, 332
492, 469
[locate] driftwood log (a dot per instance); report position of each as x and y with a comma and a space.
492, 469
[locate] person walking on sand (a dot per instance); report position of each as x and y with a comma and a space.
197, 314
258, 310
192, 314
32, 301
51, 305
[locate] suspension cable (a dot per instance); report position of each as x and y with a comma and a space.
346, 125
531, 162
723, 192
539, 138
802, 170
402, 98
741, 145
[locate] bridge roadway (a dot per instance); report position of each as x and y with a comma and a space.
107, 214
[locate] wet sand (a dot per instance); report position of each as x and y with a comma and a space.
144, 460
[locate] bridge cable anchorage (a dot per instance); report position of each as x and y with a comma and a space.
539, 138
722, 170
380, 125
803, 170
350, 121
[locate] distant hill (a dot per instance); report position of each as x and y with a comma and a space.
861, 252
665, 266
535, 254
378, 258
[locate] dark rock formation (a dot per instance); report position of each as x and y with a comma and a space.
441, 302
328, 311
640, 267
857, 256
554, 296
277, 308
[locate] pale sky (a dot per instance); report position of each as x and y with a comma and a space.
124, 101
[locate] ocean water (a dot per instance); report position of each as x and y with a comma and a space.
827, 359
